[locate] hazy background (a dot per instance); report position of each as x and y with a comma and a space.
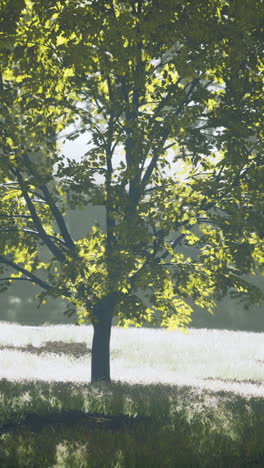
18, 303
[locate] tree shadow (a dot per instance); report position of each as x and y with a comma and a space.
39, 438
40, 426
34, 422
76, 350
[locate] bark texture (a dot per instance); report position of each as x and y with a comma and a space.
102, 324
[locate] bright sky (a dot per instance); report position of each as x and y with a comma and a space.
75, 149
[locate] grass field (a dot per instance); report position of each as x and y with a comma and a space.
176, 400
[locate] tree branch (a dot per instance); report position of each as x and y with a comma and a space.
17, 278
59, 219
33, 278
36, 220
15, 216
30, 231
54, 209
206, 207
156, 156
174, 243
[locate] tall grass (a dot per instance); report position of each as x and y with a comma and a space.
203, 392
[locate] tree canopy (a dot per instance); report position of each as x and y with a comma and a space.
169, 95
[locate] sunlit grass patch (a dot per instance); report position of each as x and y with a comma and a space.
188, 387
212, 359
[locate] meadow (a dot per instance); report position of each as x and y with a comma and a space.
176, 399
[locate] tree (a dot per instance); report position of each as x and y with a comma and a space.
170, 95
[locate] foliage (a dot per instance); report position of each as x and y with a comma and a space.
170, 96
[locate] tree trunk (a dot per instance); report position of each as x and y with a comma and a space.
102, 324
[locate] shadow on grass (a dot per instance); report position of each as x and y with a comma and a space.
55, 347
132, 426
34, 422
